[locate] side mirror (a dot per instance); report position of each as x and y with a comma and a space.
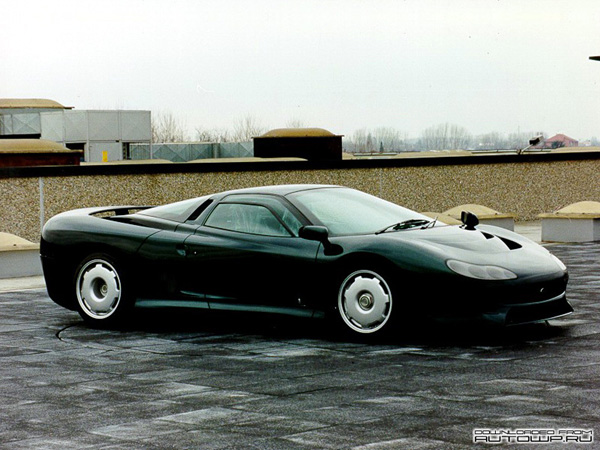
320, 234
469, 220
314, 233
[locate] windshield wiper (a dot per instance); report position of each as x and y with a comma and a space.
410, 223
431, 224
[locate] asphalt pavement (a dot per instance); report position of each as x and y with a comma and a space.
241, 381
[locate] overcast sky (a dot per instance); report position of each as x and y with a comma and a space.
487, 65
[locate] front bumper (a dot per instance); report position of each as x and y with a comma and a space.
521, 314
504, 303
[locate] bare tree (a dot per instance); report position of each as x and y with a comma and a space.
491, 141
247, 127
214, 135
370, 144
167, 128
244, 129
381, 139
359, 140
389, 139
445, 137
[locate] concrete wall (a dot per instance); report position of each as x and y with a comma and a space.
525, 187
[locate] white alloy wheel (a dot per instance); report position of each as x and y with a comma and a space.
365, 301
98, 289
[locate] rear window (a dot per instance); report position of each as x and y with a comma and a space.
177, 212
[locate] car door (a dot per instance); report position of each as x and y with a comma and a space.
247, 253
162, 261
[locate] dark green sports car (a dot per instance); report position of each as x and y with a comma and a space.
307, 250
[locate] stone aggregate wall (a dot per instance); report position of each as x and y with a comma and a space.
523, 189
20, 207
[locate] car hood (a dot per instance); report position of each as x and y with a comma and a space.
477, 240
486, 245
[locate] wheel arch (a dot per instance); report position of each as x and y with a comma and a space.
364, 260
84, 250
125, 260
60, 269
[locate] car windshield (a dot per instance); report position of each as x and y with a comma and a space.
347, 211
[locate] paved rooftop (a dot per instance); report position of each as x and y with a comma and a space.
211, 381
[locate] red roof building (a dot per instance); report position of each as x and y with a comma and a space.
560, 140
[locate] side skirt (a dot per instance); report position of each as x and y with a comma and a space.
218, 306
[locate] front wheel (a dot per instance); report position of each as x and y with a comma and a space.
99, 291
365, 302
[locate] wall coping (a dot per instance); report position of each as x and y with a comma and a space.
278, 165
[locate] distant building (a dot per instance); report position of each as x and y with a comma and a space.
102, 135
20, 117
560, 140
314, 144
36, 152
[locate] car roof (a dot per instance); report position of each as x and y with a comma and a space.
282, 189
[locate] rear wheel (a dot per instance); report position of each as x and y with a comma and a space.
365, 302
99, 290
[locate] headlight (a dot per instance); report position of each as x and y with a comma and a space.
559, 262
480, 272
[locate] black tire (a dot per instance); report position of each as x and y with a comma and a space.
100, 297
365, 302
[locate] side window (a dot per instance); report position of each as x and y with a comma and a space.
287, 217
277, 207
252, 219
